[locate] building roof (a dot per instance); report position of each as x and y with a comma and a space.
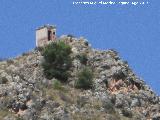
46, 26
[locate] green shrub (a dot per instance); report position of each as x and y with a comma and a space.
40, 49
85, 79
106, 82
70, 35
81, 101
10, 61
57, 85
109, 107
3, 80
57, 61
86, 43
83, 58
25, 54
127, 113
19, 118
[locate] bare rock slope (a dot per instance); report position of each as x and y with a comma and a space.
117, 93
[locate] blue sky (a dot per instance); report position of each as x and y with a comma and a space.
134, 31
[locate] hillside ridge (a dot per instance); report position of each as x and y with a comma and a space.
117, 92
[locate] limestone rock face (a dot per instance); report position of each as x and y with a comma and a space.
117, 92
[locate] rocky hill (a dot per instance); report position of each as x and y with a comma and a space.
117, 93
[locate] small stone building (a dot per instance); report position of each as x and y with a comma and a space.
45, 35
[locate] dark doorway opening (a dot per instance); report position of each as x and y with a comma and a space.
49, 35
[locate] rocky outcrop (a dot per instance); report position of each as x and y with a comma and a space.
117, 94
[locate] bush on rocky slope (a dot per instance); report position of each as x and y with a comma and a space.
85, 79
3, 80
57, 61
57, 85
83, 58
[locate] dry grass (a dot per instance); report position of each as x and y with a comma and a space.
80, 116
4, 113
96, 104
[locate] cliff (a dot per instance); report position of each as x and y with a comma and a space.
117, 93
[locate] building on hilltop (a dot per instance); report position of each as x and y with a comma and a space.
45, 35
